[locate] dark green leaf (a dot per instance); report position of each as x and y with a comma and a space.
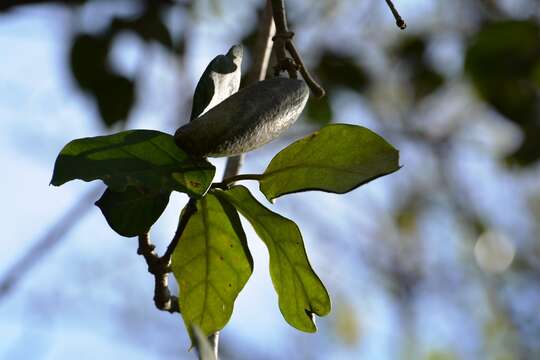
88, 59
337, 159
425, 81
342, 70
211, 264
115, 96
301, 293
113, 93
149, 26
411, 49
423, 78
140, 158
501, 61
133, 211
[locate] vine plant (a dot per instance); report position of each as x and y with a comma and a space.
208, 253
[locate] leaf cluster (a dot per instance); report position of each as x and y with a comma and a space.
211, 260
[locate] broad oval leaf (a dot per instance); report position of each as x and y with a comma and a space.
211, 265
133, 211
338, 158
140, 158
301, 293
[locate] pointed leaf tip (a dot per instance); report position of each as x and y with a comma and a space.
300, 291
211, 265
338, 158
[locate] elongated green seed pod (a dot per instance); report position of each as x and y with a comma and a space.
249, 119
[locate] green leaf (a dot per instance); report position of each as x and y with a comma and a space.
301, 293
337, 159
133, 211
140, 158
115, 96
506, 83
336, 69
211, 264
423, 78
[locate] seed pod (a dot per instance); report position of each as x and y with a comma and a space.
220, 80
251, 118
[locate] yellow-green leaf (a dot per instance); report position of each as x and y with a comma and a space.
211, 265
301, 293
338, 158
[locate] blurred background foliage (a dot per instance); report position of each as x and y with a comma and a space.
445, 253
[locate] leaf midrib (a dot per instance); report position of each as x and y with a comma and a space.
291, 264
309, 166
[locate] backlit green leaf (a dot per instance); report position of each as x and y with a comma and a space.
133, 211
301, 293
337, 159
211, 264
139, 158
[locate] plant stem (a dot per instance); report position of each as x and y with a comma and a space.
283, 44
160, 266
232, 179
214, 343
263, 49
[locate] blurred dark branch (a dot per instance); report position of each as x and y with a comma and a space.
45, 244
6, 5
283, 44
9, 4
160, 267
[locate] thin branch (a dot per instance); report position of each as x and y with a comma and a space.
316, 88
8, 4
263, 48
232, 179
162, 295
160, 267
399, 20
283, 44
